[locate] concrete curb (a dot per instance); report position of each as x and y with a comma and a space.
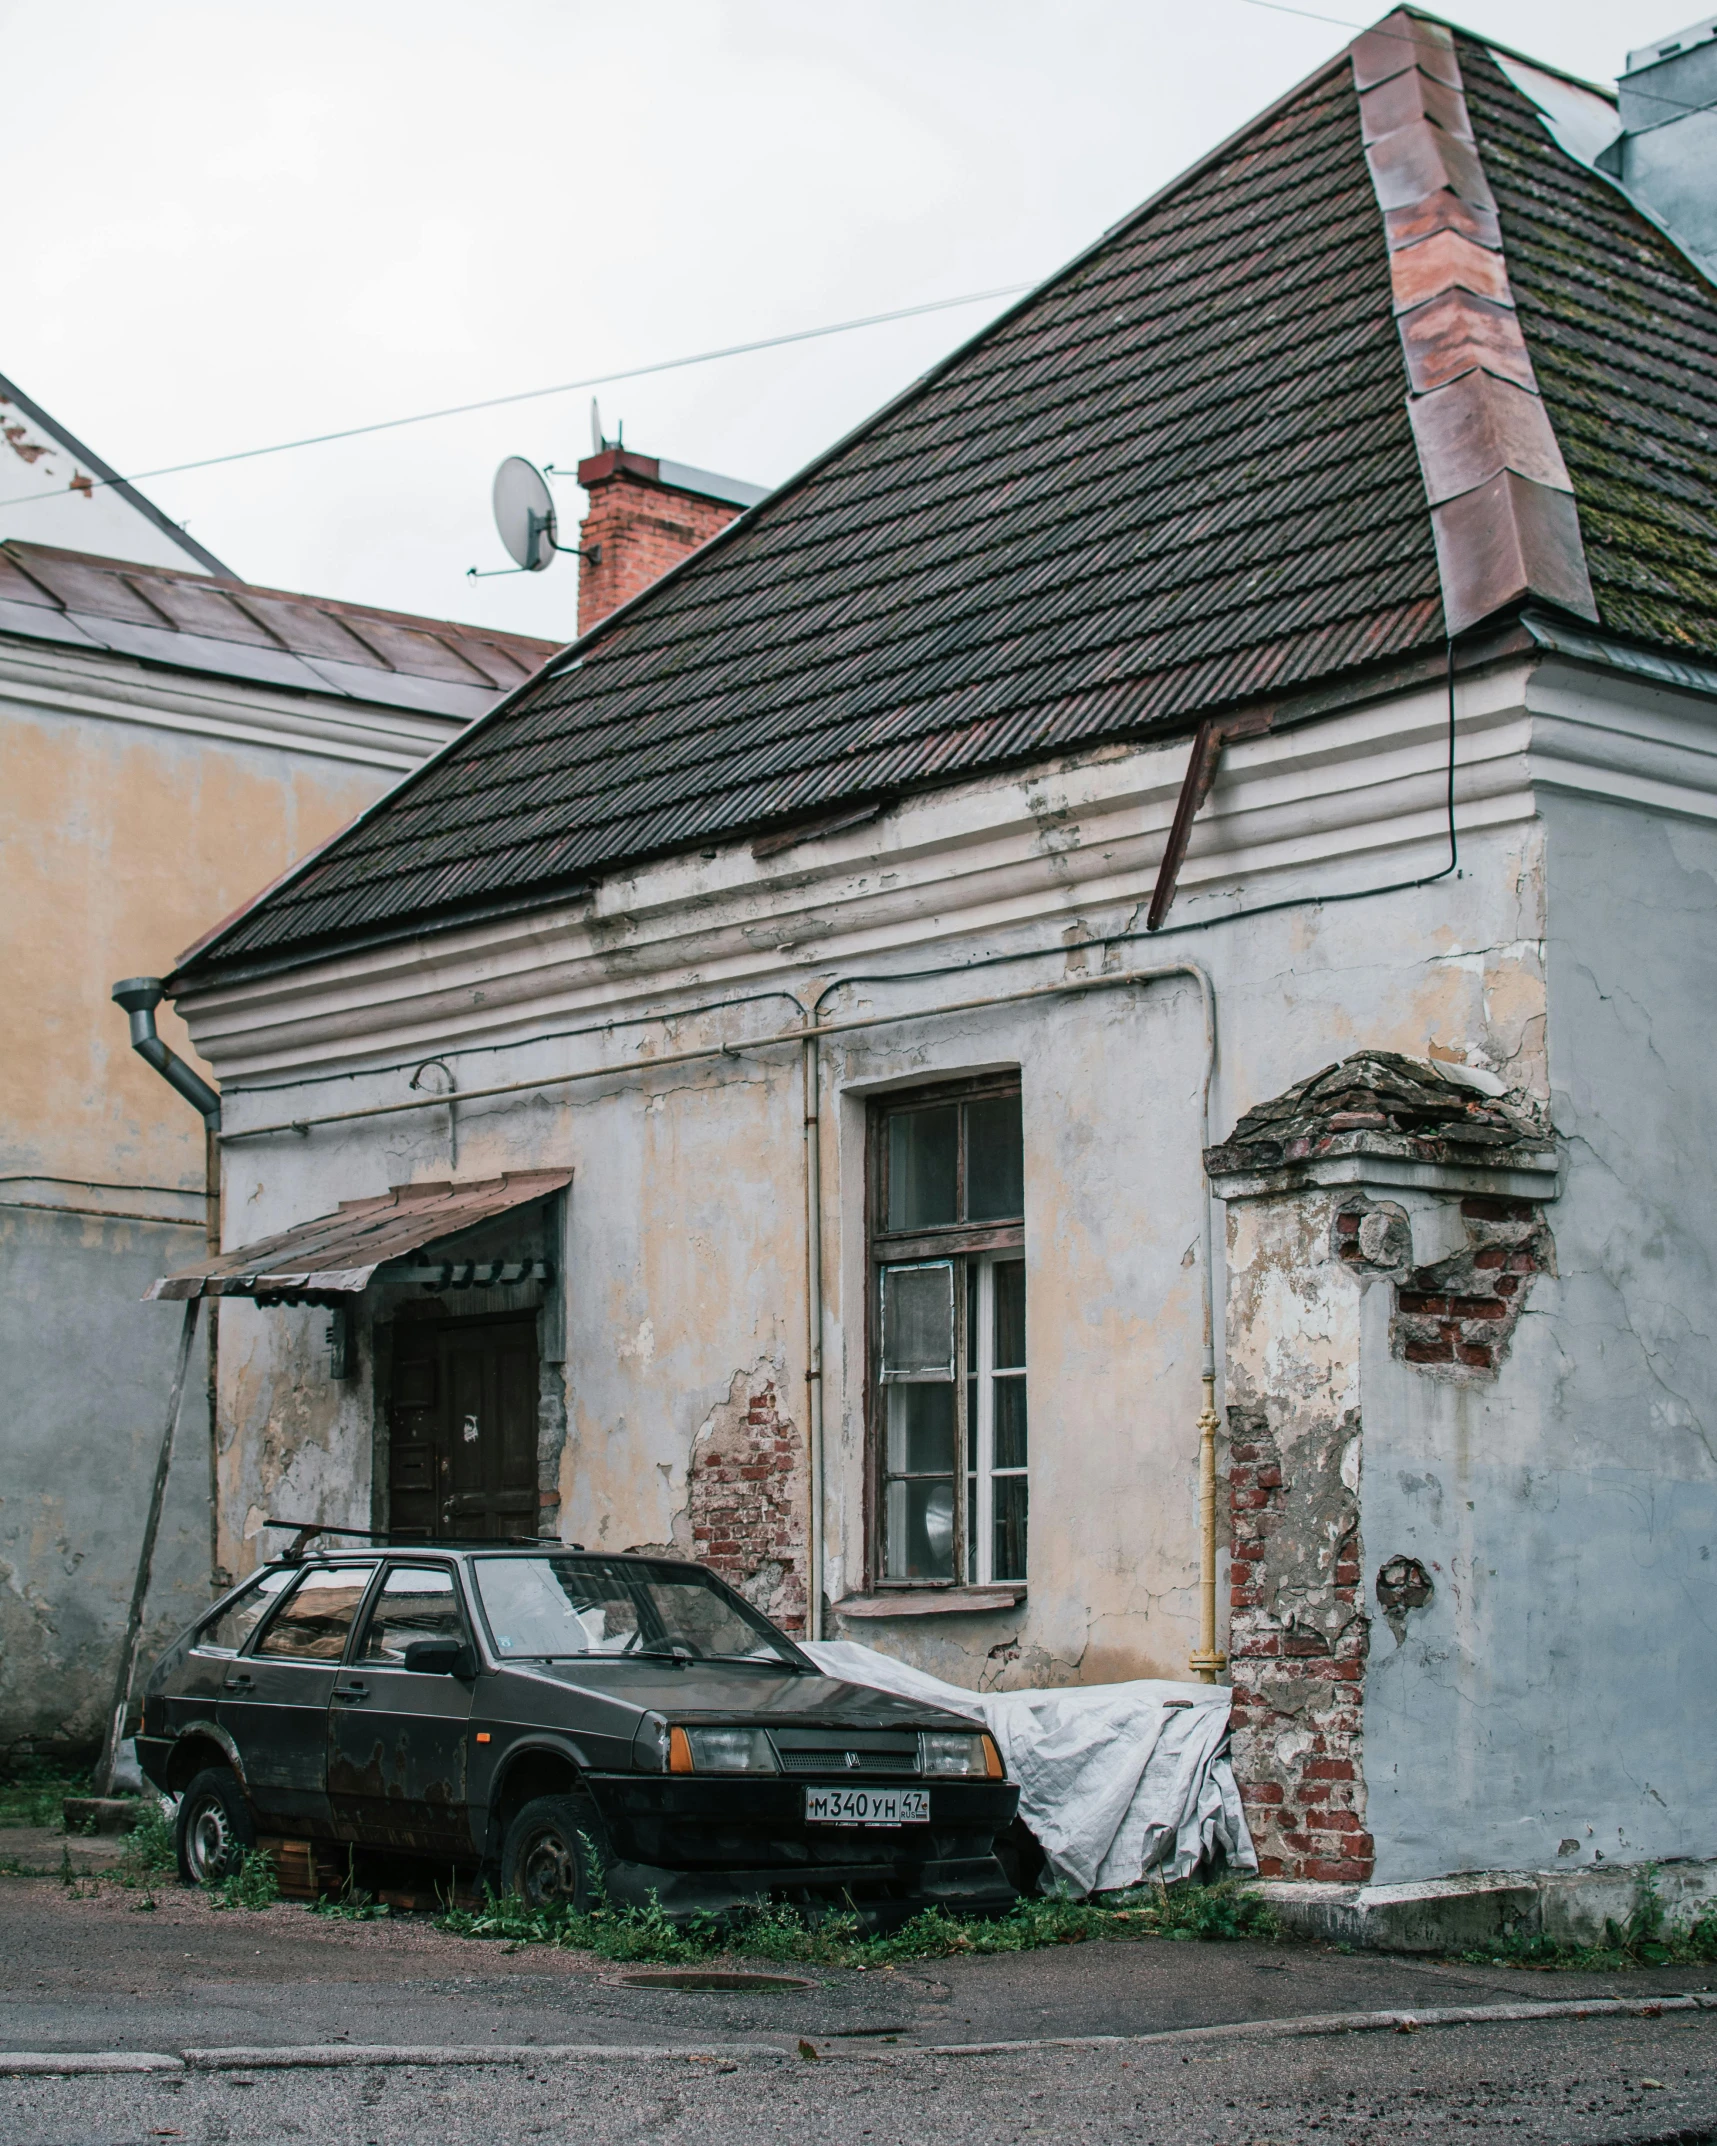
338, 2056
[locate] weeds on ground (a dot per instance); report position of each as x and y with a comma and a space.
254, 1884
783, 1934
1646, 1938
149, 1852
32, 1793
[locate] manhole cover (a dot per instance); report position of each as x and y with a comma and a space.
700, 1979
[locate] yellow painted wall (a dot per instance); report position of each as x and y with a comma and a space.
119, 845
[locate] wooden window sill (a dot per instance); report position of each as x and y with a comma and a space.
932, 1602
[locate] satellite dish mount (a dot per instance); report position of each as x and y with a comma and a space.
525, 520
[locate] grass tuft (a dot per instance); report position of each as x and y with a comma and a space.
32, 1793
783, 1934
254, 1884
1645, 1938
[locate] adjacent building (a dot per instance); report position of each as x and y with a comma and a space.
171, 738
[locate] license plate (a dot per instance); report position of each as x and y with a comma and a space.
867, 1806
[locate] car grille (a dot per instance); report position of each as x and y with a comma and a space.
865, 1753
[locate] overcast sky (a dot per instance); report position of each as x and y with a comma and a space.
231, 224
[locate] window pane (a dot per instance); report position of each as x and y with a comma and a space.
918, 1322
923, 1150
920, 1531
995, 1160
971, 1528
416, 1602
228, 1632
1010, 1316
1010, 1527
921, 1430
313, 1625
1010, 1422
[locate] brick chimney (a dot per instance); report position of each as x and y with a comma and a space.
645, 516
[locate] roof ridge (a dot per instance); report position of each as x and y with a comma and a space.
1502, 505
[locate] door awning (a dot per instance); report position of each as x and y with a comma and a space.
336, 1255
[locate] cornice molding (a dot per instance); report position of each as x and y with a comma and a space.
55, 681
1355, 800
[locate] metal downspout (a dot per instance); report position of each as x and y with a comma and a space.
139, 996
814, 1328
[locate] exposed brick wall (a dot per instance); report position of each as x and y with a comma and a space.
1297, 1647
641, 526
1458, 1316
747, 1502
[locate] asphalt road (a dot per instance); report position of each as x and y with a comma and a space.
87, 1969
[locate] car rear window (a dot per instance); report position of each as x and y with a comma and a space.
555, 1608
230, 1627
312, 1625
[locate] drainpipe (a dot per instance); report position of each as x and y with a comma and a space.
139, 996
814, 1327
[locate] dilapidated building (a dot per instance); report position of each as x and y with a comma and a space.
1084, 1044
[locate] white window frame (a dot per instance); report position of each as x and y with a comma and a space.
980, 1424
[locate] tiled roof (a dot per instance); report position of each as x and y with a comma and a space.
1178, 476
307, 644
1623, 335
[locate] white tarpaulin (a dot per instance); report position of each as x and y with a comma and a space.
1115, 1780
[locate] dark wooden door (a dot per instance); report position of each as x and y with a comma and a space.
462, 1429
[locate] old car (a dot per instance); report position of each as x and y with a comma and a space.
567, 1724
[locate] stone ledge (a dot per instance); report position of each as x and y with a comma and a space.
932, 1602
1439, 1915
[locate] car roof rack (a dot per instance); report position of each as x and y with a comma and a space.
305, 1533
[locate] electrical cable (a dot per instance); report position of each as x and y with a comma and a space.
952, 968
1341, 22
537, 394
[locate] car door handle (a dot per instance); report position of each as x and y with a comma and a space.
351, 1691
240, 1683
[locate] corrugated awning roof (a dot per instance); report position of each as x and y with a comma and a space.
338, 1254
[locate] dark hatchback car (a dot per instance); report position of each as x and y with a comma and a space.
534, 1712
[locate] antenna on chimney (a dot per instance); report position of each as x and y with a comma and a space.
598, 445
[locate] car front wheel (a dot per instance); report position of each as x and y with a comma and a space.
214, 1831
556, 1854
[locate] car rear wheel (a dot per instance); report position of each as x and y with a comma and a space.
556, 1854
214, 1831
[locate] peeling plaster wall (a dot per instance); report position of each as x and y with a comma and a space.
1553, 1704
684, 1288
88, 1368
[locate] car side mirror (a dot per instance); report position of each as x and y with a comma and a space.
441, 1657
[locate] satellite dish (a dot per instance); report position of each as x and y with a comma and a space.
524, 514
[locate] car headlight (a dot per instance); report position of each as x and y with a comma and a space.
947, 1751
720, 1751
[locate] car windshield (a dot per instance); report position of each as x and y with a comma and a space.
553, 1608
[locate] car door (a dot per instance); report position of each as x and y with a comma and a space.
397, 1737
275, 1696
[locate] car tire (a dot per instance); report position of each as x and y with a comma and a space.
556, 1854
214, 1830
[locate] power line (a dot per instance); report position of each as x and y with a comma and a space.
536, 394
1341, 22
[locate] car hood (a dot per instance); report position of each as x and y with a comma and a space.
726, 1693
